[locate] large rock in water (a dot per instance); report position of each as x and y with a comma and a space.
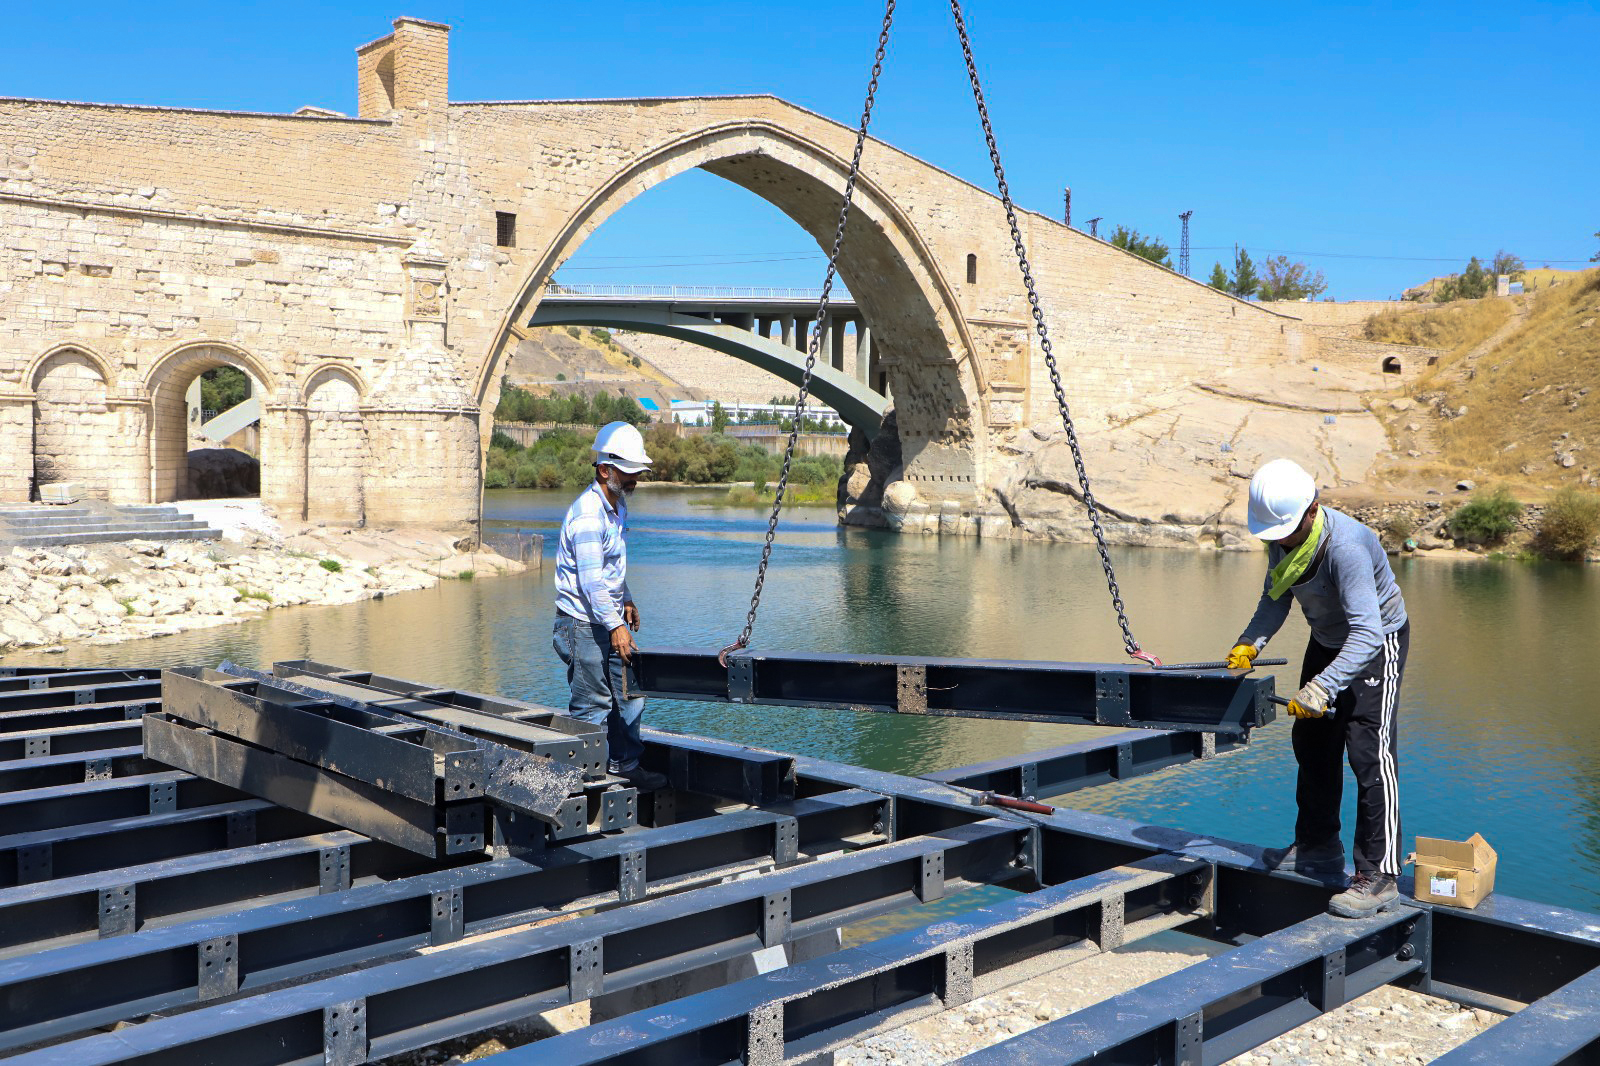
217, 472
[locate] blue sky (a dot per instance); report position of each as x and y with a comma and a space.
1363, 139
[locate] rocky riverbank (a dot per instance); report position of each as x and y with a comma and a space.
106, 594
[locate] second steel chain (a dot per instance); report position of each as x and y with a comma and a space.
743, 640
1089, 504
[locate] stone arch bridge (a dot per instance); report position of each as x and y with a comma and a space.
372, 272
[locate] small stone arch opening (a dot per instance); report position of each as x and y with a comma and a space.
1391, 364
336, 449
195, 458
77, 436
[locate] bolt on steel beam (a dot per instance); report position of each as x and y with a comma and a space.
461, 987
812, 1007
1087, 693
1228, 1004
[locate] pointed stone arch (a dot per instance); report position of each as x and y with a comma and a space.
917, 323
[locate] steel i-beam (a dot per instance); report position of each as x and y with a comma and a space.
1104, 694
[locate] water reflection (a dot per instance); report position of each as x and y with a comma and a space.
1497, 731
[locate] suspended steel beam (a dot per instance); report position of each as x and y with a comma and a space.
1085, 693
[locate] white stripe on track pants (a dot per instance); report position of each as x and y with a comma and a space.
1364, 727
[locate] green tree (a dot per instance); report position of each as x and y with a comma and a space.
1510, 265
719, 417
1475, 282
1595, 258
1219, 278
1150, 248
1245, 281
1283, 280
223, 388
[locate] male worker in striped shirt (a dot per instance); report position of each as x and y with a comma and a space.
595, 613
1337, 570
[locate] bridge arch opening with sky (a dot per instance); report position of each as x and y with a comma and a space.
785, 191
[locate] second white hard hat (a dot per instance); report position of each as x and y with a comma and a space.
620, 444
1279, 495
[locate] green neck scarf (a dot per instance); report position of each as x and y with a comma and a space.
1293, 565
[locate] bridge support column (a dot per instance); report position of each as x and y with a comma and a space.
863, 353
426, 466
788, 322
836, 351
764, 326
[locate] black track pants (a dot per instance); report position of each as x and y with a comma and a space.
1365, 727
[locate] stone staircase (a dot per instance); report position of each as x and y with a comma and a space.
47, 526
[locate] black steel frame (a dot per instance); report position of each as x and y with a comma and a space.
1089, 882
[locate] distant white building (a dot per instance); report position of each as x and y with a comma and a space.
693, 412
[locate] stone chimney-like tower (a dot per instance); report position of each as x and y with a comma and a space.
407, 71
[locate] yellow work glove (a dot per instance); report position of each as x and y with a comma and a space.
1242, 656
1310, 702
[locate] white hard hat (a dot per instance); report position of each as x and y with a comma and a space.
620, 444
1279, 495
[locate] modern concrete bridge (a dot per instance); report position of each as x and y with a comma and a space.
769, 328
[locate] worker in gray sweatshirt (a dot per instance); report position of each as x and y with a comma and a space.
1336, 569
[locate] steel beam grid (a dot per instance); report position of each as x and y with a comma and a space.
460, 987
1058, 771
1222, 1007
76, 679
47, 771
1231, 702
86, 738
30, 858
813, 1007
40, 809
616, 869
38, 699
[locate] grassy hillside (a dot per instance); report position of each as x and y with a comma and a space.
1457, 326
1536, 396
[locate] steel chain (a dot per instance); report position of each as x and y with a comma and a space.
1089, 504
816, 339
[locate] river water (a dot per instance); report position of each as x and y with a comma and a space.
1499, 720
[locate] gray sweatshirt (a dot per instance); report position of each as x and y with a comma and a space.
1350, 599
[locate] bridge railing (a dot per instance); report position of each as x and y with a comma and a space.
686, 292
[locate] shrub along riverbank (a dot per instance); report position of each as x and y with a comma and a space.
562, 459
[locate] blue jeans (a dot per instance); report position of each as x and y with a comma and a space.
599, 678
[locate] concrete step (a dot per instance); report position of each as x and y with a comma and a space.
57, 540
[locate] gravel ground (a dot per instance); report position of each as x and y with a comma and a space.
1389, 1025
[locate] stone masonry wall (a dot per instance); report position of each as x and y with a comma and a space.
161, 241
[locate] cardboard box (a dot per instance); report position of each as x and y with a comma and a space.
1454, 873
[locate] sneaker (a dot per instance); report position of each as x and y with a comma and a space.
1367, 895
642, 779
1323, 861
